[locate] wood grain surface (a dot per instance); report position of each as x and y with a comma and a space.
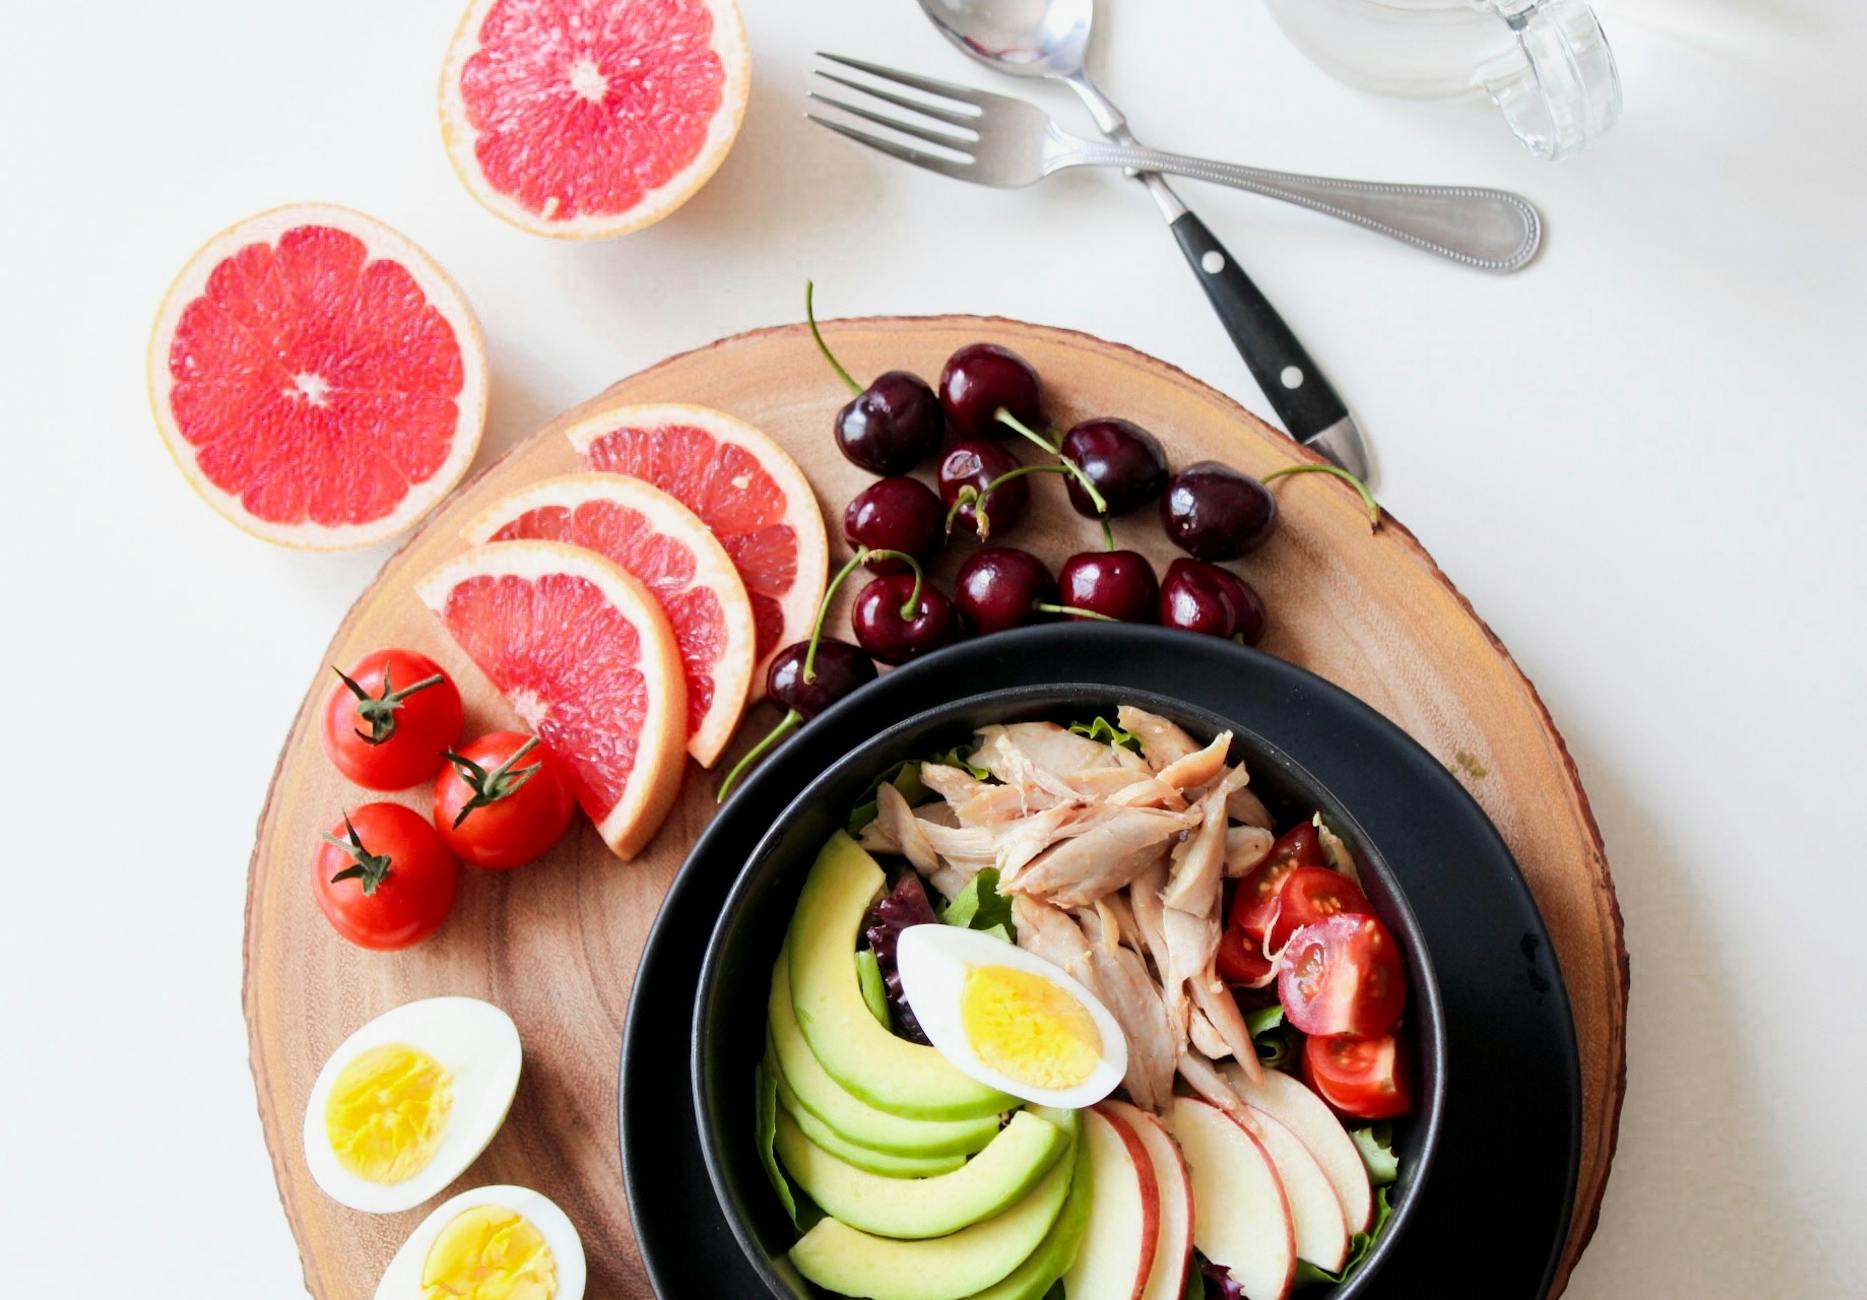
556, 943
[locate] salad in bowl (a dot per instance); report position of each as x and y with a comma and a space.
1104, 1001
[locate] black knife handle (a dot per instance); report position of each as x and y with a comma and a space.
1308, 405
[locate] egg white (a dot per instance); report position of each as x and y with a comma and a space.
933, 960
402, 1279
477, 1044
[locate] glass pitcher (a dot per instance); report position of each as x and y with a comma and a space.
1545, 63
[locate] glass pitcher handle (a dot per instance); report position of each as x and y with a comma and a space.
1556, 83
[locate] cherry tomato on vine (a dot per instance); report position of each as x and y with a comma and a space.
502, 801
390, 718
1366, 1078
383, 878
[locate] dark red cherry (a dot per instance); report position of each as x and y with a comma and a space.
975, 465
1213, 512
893, 632
1245, 600
892, 425
895, 514
1123, 460
1001, 587
839, 669
1115, 584
979, 379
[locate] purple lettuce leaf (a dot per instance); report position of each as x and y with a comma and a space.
904, 905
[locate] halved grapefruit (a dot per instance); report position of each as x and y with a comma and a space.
584, 119
586, 658
317, 377
663, 543
744, 486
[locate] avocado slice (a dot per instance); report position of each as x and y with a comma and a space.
850, 1262
887, 1072
876, 1162
1033, 1279
854, 1120
997, 1177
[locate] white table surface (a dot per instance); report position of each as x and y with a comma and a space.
1642, 460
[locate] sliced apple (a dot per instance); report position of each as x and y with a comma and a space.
1241, 1217
1173, 1242
1315, 1211
1124, 1217
1289, 1100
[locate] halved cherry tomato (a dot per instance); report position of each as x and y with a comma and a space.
1312, 894
1364, 1078
503, 801
1343, 975
1254, 906
390, 718
383, 878
1241, 959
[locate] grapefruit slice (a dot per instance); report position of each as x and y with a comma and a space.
744, 486
319, 380
586, 658
584, 119
664, 544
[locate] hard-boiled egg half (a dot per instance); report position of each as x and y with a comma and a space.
504, 1242
408, 1101
1009, 1018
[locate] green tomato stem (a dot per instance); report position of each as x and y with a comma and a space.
1367, 497
810, 314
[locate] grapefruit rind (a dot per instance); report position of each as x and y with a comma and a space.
654, 781
732, 671
458, 134
441, 293
799, 604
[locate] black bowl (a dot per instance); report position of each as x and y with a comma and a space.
728, 1034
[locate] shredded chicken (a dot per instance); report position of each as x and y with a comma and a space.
1114, 863
1245, 848
1162, 742
1199, 767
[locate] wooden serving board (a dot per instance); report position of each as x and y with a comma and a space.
556, 943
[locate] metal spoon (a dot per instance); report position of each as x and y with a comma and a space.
1050, 39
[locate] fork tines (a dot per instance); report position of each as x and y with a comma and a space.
924, 125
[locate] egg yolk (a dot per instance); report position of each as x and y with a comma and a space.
386, 1112
1027, 1028
489, 1253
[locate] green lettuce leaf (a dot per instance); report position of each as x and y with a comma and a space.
906, 778
1376, 1144
1358, 1247
767, 1133
1276, 1041
979, 906
959, 756
874, 991
1099, 728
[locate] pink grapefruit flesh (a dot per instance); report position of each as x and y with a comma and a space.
317, 377
744, 486
666, 546
592, 118
586, 658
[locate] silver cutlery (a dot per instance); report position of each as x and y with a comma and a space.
1009, 143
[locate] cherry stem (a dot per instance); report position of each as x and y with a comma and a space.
1047, 608
810, 315
1108, 535
982, 524
1367, 497
966, 496
823, 610
772, 737
1069, 466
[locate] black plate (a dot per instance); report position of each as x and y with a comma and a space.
728, 1032
1497, 1210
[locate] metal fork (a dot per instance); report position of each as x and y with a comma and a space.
1006, 142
